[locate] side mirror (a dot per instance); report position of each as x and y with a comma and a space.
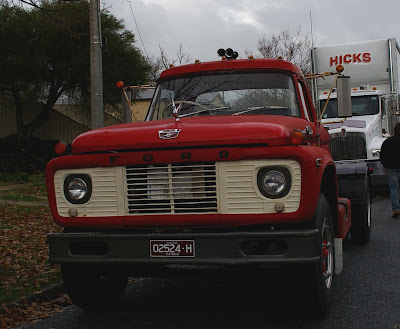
344, 96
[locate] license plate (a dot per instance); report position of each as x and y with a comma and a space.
172, 248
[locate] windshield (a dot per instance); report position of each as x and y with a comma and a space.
226, 94
361, 105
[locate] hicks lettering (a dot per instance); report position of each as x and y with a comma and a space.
350, 58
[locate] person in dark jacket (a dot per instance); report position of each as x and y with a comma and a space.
390, 159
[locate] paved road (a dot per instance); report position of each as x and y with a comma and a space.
367, 295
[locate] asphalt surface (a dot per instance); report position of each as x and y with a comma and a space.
367, 295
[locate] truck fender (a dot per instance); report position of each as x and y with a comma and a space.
354, 184
376, 142
353, 181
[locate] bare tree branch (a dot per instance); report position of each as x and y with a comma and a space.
32, 3
293, 46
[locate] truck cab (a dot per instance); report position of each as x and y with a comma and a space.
369, 118
230, 169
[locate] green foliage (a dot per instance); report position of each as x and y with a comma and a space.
45, 53
32, 160
118, 55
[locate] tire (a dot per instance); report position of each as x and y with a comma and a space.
360, 231
319, 276
93, 287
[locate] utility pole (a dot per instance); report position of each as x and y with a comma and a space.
96, 69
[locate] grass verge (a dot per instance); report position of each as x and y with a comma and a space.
33, 188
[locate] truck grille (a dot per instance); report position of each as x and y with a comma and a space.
172, 188
351, 147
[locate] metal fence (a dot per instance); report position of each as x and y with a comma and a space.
58, 127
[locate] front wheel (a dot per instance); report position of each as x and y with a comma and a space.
318, 278
93, 287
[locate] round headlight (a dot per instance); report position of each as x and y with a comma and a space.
274, 182
77, 189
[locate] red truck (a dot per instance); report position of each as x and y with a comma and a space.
230, 169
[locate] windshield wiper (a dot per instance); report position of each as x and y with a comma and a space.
254, 108
205, 110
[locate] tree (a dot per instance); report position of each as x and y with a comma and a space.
163, 61
293, 46
47, 55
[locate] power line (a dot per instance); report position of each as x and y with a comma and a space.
137, 27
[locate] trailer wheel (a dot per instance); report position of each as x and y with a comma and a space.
360, 231
92, 287
320, 275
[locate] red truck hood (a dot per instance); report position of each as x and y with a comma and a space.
194, 131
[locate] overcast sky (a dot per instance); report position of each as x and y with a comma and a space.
203, 26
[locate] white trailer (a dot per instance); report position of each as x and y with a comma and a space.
373, 67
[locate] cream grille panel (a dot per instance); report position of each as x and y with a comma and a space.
171, 189
223, 187
107, 192
239, 193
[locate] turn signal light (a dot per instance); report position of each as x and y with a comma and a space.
297, 137
61, 148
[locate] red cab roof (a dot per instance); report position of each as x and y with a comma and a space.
232, 65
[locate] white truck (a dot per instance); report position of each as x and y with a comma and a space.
373, 67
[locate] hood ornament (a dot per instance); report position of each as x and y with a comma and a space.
169, 133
